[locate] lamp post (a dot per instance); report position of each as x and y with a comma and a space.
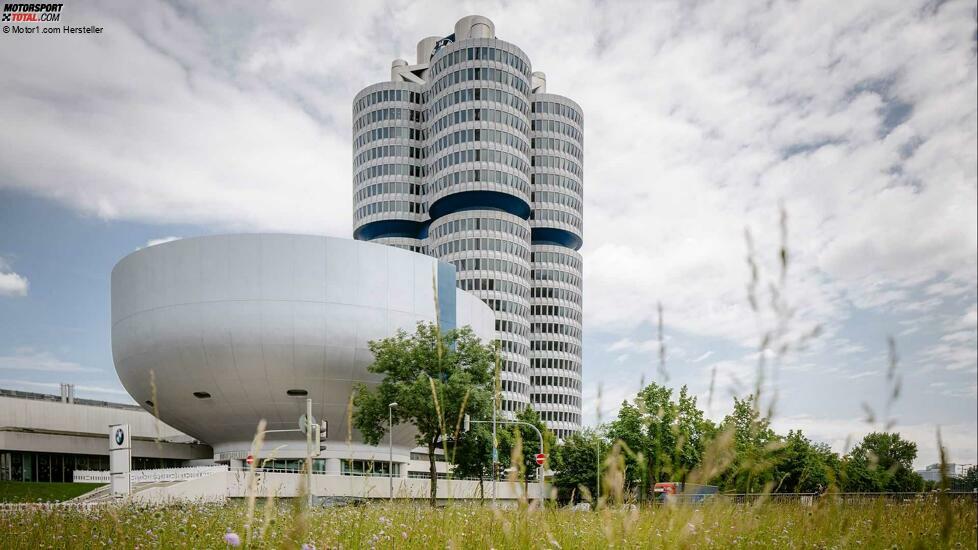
390, 448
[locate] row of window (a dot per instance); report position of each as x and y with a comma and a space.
498, 285
546, 256
554, 380
555, 328
557, 144
487, 74
558, 216
479, 94
560, 416
512, 347
479, 134
497, 177
557, 311
555, 399
555, 275
490, 264
555, 363
553, 108
387, 132
507, 306
558, 127
555, 180
484, 53
389, 113
560, 163
478, 115
518, 369
563, 434
379, 170
385, 188
478, 224
555, 345
478, 155
553, 197
512, 327
380, 207
512, 406
389, 151
381, 96
513, 386
555, 293
495, 245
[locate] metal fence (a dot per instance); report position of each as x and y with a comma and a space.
808, 499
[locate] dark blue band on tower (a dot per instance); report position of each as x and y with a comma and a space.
389, 228
479, 200
554, 236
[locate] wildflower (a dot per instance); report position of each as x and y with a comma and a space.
308, 546
232, 539
404, 535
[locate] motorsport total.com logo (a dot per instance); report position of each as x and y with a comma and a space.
32, 13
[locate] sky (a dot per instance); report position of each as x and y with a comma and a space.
845, 132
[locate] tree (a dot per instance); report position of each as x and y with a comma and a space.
970, 479
804, 466
529, 443
755, 444
434, 377
473, 455
629, 428
663, 439
576, 463
882, 461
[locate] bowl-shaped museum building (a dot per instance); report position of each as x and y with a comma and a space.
216, 333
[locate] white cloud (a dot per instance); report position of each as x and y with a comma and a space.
28, 360
843, 434
11, 283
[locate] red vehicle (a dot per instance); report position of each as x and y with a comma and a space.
667, 491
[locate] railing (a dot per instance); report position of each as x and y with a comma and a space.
411, 475
807, 499
149, 476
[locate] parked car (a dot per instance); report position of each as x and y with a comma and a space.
678, 491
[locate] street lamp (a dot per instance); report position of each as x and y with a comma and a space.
390, 447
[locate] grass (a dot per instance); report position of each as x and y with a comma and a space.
869, 524
24, 491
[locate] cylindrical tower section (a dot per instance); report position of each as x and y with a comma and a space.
388, 164
557, 156
477, 185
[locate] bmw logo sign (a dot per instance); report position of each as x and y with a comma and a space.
120, 436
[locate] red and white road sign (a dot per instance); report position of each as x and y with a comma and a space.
541, 458
250, 460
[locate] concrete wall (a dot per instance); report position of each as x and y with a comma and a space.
47, 426
235, 484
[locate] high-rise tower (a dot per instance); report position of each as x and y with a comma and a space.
465, 156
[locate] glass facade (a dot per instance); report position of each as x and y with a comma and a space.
47, 467
466, 161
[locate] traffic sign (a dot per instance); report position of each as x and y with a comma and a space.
250, 460
541, 458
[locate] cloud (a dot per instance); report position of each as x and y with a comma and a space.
28, 360
843, 434
11, 284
